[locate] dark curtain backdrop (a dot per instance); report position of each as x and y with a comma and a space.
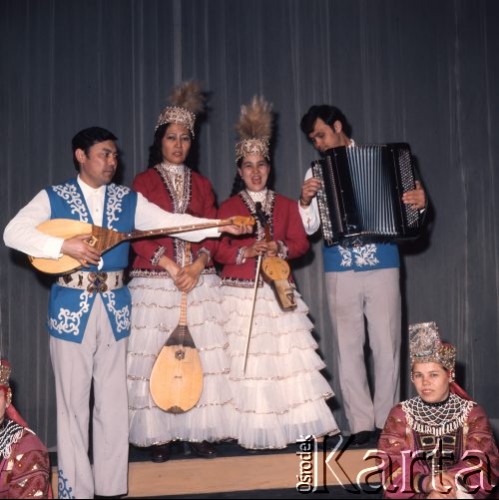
423, 72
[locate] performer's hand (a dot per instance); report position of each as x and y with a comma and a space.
416, 198
79, 248
170, 266
272, 248
188, 277
236, 229
258, 248
309, 190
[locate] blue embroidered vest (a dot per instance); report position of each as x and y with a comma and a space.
70, 308
363, 258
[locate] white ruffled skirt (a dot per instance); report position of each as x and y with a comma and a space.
281, 397
155, 314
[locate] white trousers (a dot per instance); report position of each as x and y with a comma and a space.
101, 358
356, 298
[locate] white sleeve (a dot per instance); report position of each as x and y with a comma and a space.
310, 215
149, 216
21, 233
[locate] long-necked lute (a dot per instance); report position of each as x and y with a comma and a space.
176, 382
104, 239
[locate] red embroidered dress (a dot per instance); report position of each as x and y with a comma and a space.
454, 436
282, 395
155, 314
24, 466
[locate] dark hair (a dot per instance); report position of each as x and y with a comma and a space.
155, 154
328, 114
238, 184
86, 138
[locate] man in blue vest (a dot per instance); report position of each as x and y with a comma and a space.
89, 310
362, 286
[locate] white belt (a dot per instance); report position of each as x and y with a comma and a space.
92, 281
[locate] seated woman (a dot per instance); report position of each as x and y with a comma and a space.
438, 444
24, 460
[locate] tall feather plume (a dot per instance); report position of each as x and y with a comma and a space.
255, 120
188, 95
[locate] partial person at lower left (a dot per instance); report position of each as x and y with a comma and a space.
24, 465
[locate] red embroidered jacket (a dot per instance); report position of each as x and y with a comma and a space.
198, 193
285, 226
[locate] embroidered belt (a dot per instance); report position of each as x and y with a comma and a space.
92, 282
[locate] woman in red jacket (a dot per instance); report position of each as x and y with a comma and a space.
278, 392
438, 444
163, 268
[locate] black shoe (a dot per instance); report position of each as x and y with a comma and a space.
361, 438
204, 449
161, 452
331, 441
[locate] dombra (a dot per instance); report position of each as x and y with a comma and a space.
176, 380
103, 239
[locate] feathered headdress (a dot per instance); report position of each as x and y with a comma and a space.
186, 100
425, 346
254, 128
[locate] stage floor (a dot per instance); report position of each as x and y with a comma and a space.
303, 469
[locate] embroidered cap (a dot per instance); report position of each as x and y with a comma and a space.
425, 346
186, 100
4, 373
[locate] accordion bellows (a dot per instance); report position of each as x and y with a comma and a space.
361, 198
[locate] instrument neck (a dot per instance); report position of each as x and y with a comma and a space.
132, 235
183, 310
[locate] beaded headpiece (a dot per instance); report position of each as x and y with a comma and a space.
425, 346
4, 373
186, 100
254, 128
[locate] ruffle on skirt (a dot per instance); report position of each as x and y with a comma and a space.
281, 397
155, 314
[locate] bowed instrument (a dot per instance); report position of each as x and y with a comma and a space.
275, 269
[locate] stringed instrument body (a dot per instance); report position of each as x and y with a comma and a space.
176, 382
103, 239
276, 270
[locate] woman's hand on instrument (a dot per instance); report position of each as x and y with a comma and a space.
416, 197
188, 276
309, 190
258, 248
272, 249
79, 248
170, 266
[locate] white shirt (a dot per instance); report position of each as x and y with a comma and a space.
310, 215
21, 233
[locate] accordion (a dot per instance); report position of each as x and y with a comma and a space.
361, 197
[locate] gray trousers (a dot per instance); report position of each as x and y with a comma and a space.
101, 358
374, 297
